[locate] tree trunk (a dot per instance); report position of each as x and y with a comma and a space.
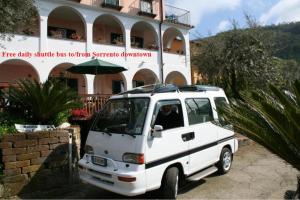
234, 84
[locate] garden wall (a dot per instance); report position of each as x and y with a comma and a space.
37, 161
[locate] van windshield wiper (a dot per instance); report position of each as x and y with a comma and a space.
105, 132
129, 135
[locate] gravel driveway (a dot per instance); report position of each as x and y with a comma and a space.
255, 174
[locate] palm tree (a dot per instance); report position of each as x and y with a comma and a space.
271, 119
42, 103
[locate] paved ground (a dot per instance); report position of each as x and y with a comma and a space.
255, 174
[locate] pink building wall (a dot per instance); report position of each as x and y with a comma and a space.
130, 7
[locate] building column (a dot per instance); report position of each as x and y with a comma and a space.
127, 78
43, 33
188, 59
90, 83
127, 38
89, 36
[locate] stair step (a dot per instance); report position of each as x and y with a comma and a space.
202, 174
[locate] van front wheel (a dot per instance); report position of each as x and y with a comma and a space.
225, 161
169, 187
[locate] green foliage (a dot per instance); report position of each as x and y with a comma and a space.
236, 60
8, 121
271, 119
14, 14
286, 39
242, 59
61, 118
42, 103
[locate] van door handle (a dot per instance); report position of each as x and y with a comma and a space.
188, 136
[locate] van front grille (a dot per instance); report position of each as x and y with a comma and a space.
100, 173
103, 181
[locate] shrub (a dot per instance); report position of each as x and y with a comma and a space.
42, 103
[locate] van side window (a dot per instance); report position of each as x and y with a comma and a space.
198, 110
220, 101
168, 114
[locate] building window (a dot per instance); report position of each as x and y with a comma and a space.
146, 6
112, 2
117, 87
63, 33
137, 42
116, 38
136, 84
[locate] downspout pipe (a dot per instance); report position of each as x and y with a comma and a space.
161, 42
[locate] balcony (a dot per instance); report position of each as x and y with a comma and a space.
108, 29
177, 16
113, 4
67, 24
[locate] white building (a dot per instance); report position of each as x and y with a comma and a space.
101, 26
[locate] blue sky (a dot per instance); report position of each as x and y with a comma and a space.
212, 16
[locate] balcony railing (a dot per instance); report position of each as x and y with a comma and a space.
91, 103
177, 15
94, 103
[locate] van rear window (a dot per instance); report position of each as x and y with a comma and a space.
219, 101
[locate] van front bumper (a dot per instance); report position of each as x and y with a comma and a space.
108, 178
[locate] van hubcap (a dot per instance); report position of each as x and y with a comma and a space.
227, 161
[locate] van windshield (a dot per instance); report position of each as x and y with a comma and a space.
122, 116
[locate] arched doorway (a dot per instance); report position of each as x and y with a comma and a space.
143, 36
66, 23
109, 84
75, 81
173, 41
144, 77
176, 78
107, 29
13, 70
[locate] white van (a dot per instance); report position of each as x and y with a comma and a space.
156, 137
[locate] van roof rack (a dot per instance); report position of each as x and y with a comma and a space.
198, 88
167, 88
153, 89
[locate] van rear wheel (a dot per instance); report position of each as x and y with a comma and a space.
225, 162
169, 187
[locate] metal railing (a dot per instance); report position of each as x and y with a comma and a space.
177, 15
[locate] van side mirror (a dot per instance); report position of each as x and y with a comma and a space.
156, 131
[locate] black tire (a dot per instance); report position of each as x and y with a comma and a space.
169, 187
225, 161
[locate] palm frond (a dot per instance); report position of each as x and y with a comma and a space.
272, 120
43, 102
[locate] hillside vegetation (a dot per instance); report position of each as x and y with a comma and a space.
286, 38
242, 59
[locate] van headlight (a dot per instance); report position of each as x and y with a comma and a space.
134, 158
88, 149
